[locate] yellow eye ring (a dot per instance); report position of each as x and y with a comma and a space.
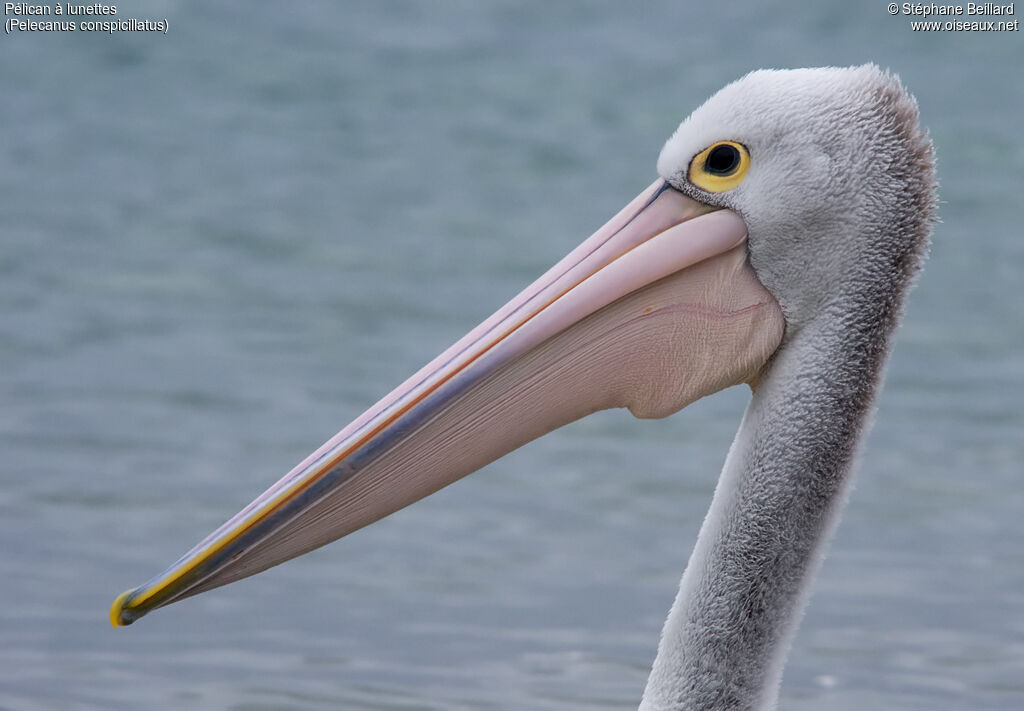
720, 167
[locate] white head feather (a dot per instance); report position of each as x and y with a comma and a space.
841, 176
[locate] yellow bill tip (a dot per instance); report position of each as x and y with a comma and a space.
117, 618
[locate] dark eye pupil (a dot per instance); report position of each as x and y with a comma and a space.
722, 160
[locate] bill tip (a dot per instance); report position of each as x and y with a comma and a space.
118, 618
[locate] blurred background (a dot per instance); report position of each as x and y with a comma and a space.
214, 254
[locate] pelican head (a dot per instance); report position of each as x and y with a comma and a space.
791, 213
840, 183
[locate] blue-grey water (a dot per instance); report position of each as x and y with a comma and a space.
220, 245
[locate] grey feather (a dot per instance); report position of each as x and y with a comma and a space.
840, 202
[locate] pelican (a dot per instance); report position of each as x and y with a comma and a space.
790, 217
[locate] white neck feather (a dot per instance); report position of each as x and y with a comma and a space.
777, 501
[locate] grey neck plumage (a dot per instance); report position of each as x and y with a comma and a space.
776, 504
840, 267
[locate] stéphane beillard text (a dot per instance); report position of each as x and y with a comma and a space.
971, 8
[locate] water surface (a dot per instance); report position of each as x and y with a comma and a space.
222, 244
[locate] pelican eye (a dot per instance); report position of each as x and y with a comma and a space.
723, 160
720, 167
